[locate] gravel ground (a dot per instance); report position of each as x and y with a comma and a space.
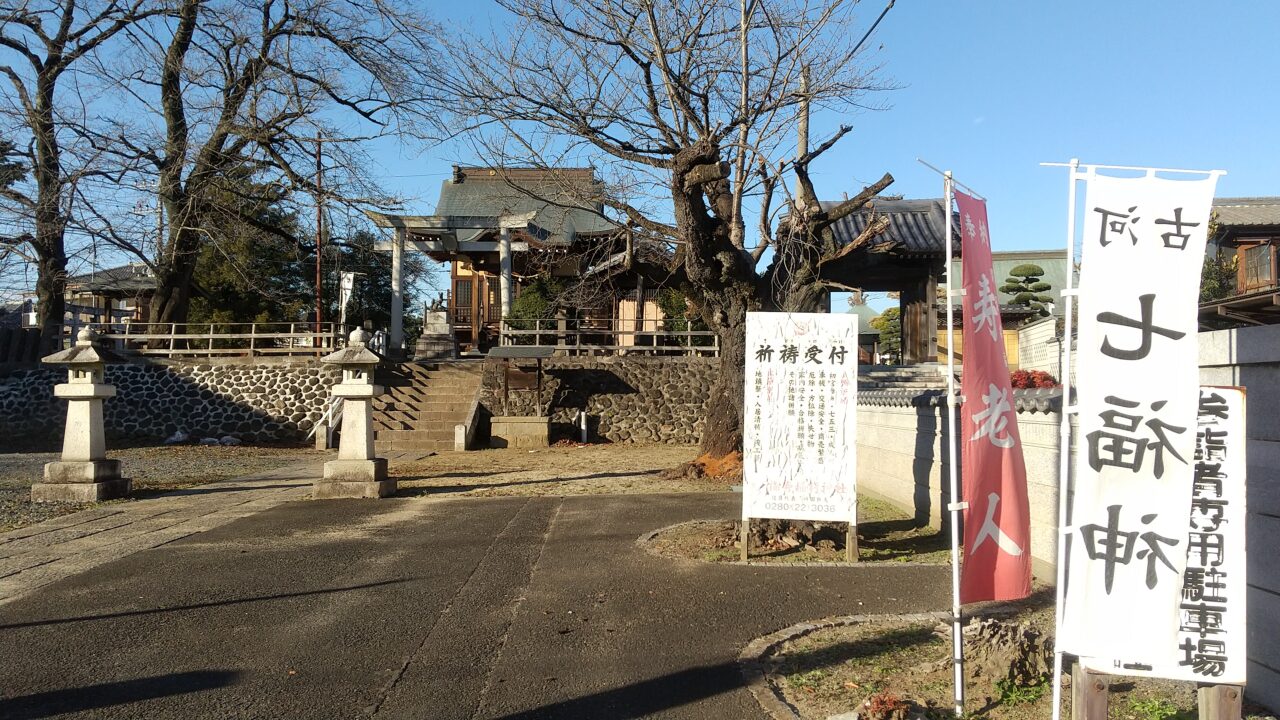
153, 470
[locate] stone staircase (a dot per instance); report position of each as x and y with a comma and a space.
928, 376
422, 404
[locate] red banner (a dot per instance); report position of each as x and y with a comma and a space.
997, 524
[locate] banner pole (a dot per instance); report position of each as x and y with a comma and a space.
957, 644
1064, 444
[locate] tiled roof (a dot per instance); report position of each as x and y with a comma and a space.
126, 278
1248, 211
916, 226
553, 194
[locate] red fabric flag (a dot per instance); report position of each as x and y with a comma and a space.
997, 524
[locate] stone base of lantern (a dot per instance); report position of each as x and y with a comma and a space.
354, 479
81, 481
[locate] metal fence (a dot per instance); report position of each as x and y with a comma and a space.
578, 336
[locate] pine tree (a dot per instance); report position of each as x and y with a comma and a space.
1027, 289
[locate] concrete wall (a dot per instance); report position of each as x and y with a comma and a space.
902, 457
259, 402
1036, 349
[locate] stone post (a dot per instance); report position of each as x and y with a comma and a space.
395, 343
504, 270
356, 473
84, 474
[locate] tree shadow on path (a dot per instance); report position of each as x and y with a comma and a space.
105, 695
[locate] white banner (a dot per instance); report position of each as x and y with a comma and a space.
1138, 384
1210, 642
799, 410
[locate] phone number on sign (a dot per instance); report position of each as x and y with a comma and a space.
797, 507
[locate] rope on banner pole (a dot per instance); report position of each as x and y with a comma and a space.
1076, 165
957, 643
1064, 445
954, 181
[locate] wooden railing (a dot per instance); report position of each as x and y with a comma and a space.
223, 339
611, 337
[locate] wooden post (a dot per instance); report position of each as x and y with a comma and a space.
746, 533
538, 409
210, 339
506, 387
1090, 692
173, 330
253, 334
851, 543
1221, 702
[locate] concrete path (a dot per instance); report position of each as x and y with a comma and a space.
422, 608
34, 556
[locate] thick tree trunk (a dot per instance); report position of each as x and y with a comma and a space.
50, 226
722, 428
51, 298
172, 299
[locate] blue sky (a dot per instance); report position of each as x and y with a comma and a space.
991, 89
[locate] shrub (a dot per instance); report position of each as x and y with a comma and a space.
1028, 379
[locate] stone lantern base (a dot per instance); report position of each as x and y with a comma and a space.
354, 479
81, 481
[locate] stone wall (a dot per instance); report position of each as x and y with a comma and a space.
261, 402
627, 399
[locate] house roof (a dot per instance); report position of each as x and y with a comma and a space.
561, 198
130, 279
1247, 211
915, 226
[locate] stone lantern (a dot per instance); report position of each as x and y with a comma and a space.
84, 474
356, 473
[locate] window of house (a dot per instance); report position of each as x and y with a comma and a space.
495, 305
1257, 265
462, 299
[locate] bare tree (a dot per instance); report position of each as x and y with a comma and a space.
709, 101
41, 41
266, 89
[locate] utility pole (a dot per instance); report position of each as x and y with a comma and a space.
319, 236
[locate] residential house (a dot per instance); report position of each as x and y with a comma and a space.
1248, 235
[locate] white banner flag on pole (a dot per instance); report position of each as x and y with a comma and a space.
346, 285
1138, 385
800, 405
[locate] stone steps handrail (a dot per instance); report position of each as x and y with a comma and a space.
219, 338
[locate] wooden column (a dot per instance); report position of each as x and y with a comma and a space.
920, 319
915, 303
1090, 692
1221, 702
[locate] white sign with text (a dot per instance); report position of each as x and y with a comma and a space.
799, 412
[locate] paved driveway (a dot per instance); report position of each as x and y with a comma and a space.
423, 608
